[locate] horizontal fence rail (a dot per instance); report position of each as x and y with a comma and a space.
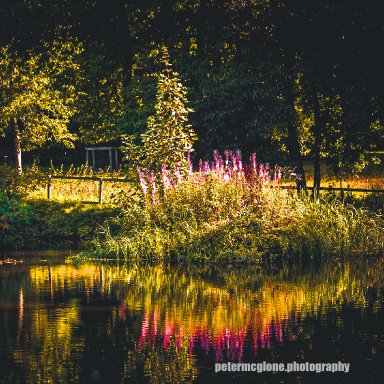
337, 189
340, 189
101, 180
92, 178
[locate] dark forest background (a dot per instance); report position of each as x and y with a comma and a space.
290, 80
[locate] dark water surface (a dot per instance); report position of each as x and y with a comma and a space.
62, 323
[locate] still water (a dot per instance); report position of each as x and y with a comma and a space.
89, 323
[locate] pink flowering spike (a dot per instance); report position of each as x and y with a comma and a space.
151, 180
216, 155
200, 166
222, 166
247, 173
165, 177
253, 163
232, 156
260, 170
267, 175
206, 168
238, 156
190, 166
143, 182
233, 161
279, 173
240, 166
240, 171
226, 154
177, 173
218, 160
263, 172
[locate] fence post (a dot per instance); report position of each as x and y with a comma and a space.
300, 185
341, 189
101, 191
49, 187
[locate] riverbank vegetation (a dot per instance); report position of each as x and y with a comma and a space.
41, 224
223, 212
230, 213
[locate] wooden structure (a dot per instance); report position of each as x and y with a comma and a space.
90, 155
102, 180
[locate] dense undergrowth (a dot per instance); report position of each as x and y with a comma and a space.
228, 213
40, 224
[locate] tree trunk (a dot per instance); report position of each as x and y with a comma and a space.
317, 131
294, 144
293, 136
282, 20
17, 144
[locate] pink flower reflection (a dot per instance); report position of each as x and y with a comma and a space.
229, 342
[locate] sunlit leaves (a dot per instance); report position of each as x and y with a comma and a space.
39, 89
169, 136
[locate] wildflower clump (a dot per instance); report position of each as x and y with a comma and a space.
227, 211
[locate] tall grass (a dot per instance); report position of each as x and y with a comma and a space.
77, 190
226, 212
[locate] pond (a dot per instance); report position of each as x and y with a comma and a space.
66, 323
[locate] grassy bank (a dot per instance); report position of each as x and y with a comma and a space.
39, 224
223, 213
228, 213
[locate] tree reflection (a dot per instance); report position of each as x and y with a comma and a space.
89, 322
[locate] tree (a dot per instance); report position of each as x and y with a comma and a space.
38, 94
169, 136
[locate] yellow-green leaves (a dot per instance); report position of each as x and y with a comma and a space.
39, 89
169, 136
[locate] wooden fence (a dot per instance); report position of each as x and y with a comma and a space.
102, 180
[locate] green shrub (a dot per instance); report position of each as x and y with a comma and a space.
41, 224
14, 185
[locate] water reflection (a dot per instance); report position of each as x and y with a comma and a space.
91, 323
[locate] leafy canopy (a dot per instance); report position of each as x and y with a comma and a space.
38, 89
